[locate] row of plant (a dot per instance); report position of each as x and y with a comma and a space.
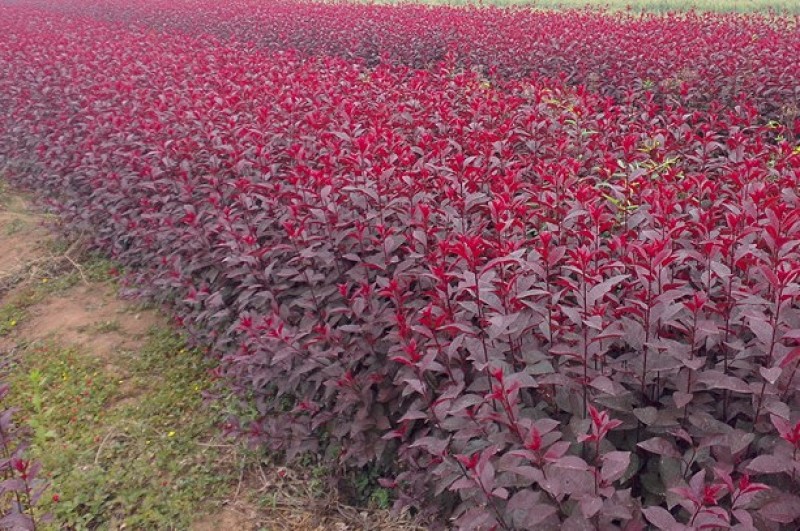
526, 307
685, 59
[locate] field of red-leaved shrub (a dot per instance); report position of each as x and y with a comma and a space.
534, 270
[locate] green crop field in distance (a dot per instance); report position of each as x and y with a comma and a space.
658, 6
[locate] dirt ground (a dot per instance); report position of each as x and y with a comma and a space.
88, 315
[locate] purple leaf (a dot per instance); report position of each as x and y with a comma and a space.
767, 464
681, 399
661, 518
600, 290
614, 465
660, 446
784, 509
590, 505
770, 375
718, 380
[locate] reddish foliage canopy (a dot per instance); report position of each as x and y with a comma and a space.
559, 290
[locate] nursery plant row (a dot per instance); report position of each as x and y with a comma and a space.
534, 270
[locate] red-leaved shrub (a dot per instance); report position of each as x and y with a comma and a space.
529, 304
693, 59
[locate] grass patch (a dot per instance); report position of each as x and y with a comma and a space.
5, 193
11, 315
45, 286
123, 450
99, 269
102, 327
15, 226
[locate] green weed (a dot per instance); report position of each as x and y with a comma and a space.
11, 315
125, 444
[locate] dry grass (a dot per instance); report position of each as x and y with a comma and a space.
286, 499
